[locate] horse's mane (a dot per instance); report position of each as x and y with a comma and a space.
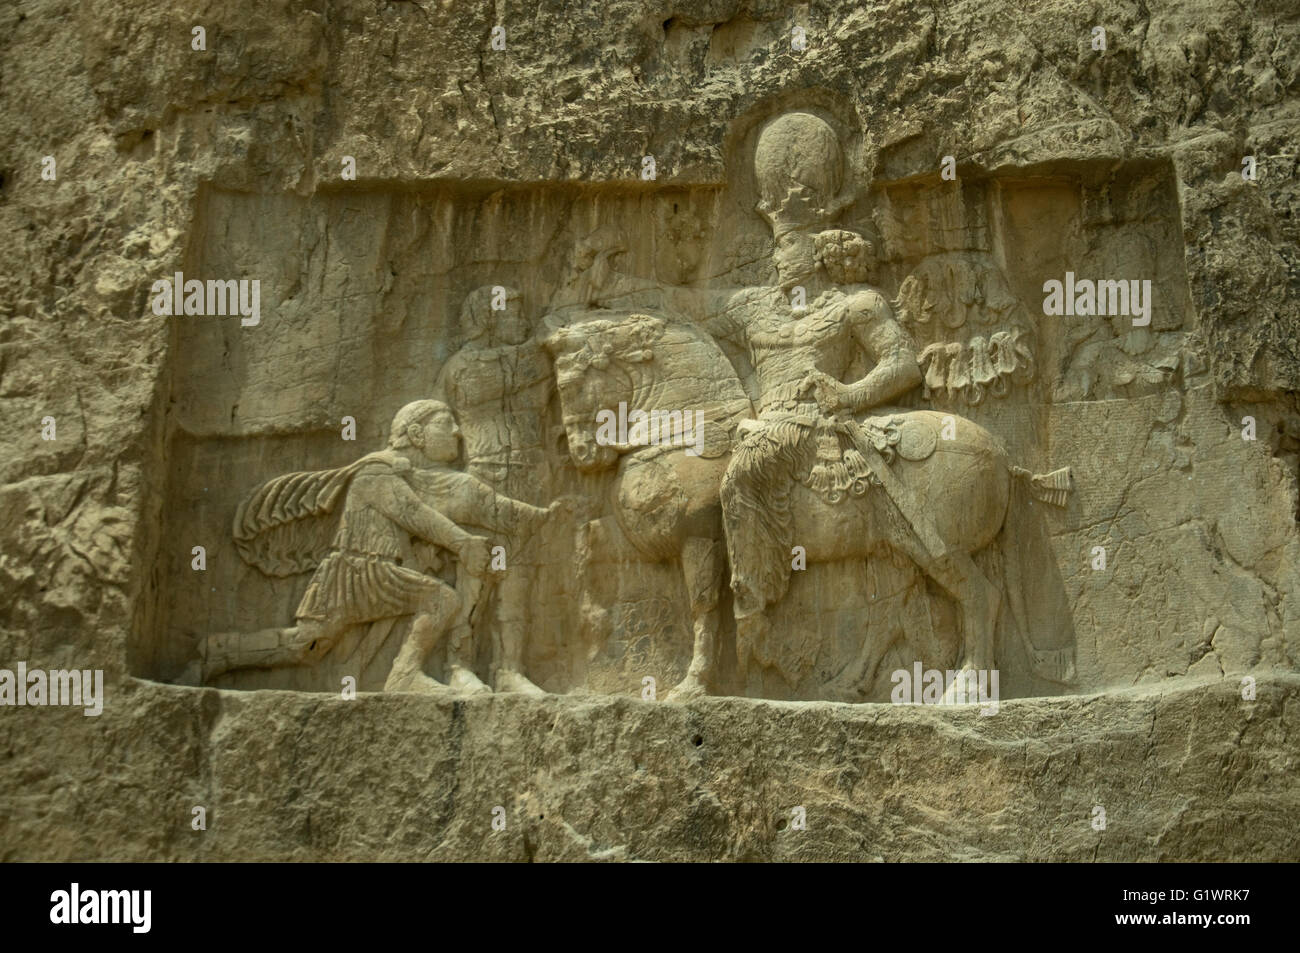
656, 364
676, 345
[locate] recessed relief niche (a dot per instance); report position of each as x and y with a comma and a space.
785, 436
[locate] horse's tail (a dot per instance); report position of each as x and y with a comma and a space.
1018, 538
1051, 487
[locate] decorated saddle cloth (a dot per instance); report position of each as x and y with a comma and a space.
794, 441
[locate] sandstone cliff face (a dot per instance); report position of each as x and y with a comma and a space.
471, 159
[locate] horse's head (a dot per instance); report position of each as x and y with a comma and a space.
596, 369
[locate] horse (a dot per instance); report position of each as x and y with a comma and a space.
940, 499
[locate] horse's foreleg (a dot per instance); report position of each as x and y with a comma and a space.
702, 565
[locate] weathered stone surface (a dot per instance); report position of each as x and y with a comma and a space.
1189, 773
478, 167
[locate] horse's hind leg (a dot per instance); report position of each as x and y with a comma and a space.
702, 565
976, 595
980, 603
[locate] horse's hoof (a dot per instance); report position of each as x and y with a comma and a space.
963, 690
686, 690
465, 682
510, 681
414, 683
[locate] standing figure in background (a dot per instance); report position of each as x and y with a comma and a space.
500, 383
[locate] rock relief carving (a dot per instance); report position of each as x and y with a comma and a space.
376, 534
499, 385
807, 453
824, 463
